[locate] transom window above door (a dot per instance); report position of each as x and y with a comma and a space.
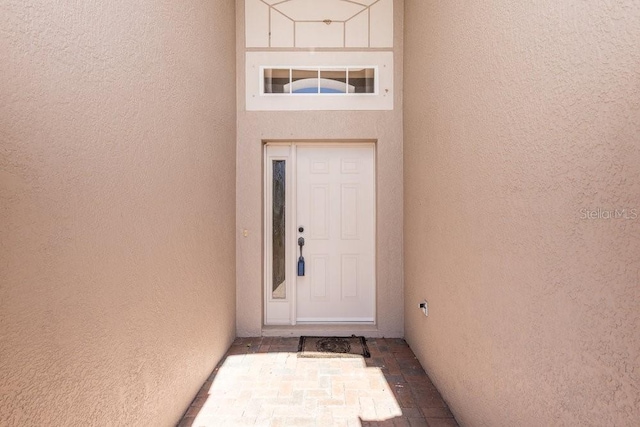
319, 80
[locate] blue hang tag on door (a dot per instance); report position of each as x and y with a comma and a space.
301, 258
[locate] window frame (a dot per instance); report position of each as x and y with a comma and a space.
381, 100
319, 70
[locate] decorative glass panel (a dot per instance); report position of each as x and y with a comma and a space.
363, 79
275, 80
278, 225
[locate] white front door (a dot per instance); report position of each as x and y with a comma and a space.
335, 205
326, 195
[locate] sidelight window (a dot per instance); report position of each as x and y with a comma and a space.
279, 233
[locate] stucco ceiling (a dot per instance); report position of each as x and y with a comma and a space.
314, 10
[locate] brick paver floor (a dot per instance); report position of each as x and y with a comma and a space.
262, 382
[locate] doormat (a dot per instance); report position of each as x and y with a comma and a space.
352, 346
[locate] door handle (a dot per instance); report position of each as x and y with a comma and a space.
301, 258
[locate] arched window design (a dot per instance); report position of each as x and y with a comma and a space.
319, 80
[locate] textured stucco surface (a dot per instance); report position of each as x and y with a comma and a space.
519, 115
117, 198
383, 126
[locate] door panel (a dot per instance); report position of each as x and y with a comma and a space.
335, 202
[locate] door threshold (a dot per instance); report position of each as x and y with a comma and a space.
322, 330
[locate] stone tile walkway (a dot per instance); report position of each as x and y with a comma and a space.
262, 382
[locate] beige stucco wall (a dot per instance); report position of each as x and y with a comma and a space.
117, 200
519, 115
255, 127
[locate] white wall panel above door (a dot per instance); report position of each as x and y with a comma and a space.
314, 10
257, 23
326, 23
282, 30
309, 33
356, 32
381, 23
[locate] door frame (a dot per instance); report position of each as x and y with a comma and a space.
284, 311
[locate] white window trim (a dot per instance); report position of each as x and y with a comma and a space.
257, 100
319, 69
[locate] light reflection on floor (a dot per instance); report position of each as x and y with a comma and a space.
265, 389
